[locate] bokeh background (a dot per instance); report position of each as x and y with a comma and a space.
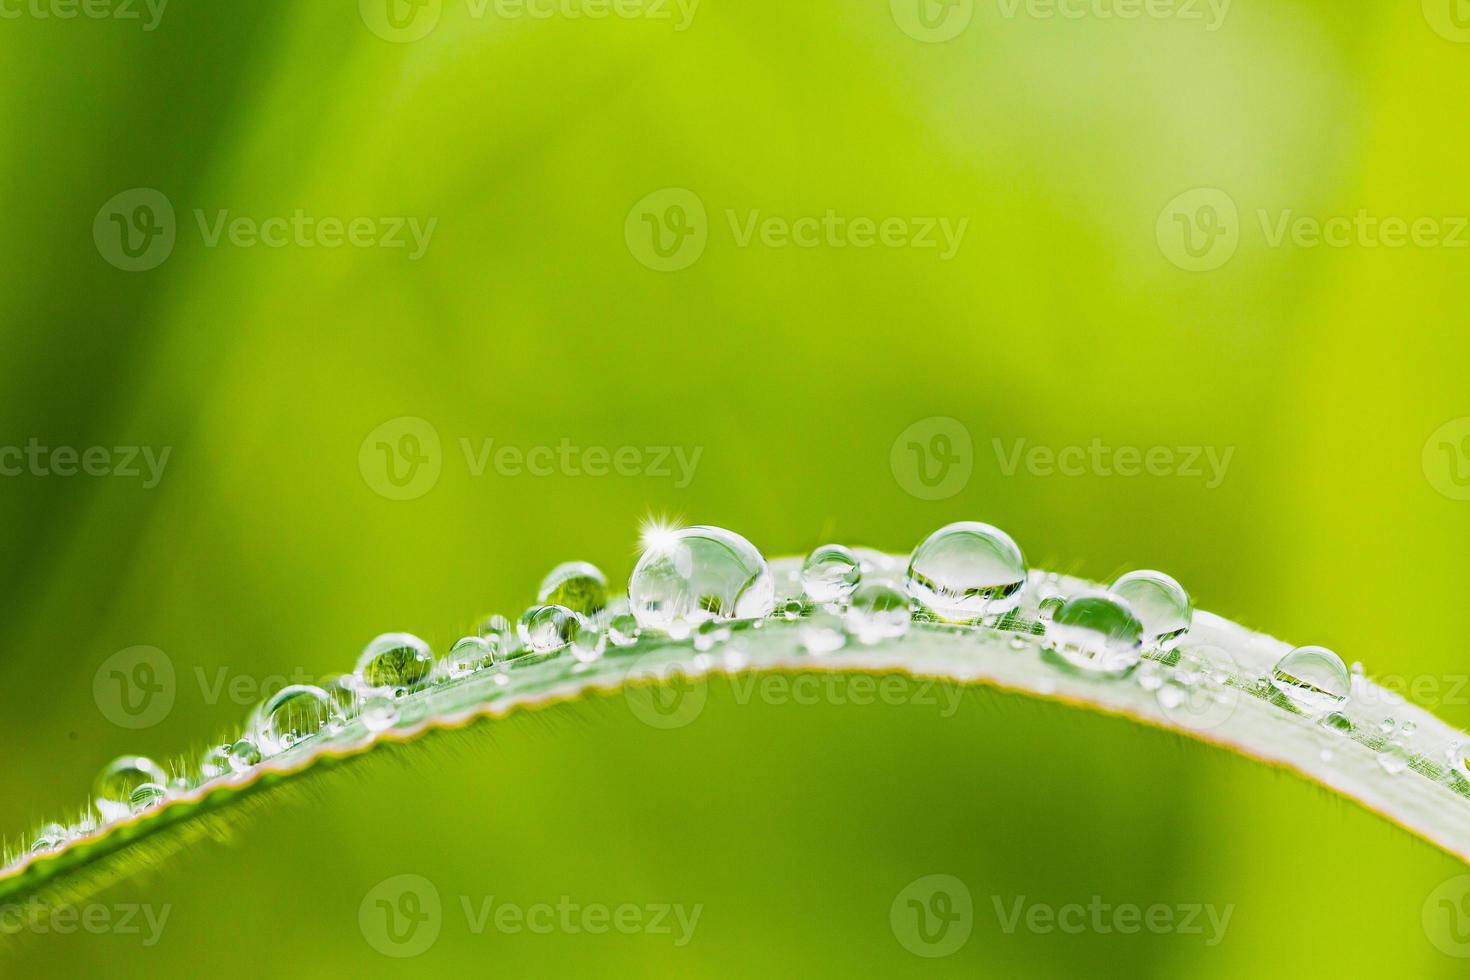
1073, 310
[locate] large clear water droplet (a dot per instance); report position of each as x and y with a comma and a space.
1160, 603
1313, 678
577, 585
395, 660
546, 629
293, 715
877, 612
695, 574
119, 778
1096, 632
830, 574
967, 571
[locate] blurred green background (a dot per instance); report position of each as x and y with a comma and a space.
1073, 310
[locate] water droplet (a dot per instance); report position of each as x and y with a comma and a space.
877, 612
244, 755
1046, 609
1171, 694
216, 762
575, 585
1337, 722
830, 574
1096, 632
1394, 758
1357, 668
115, 784
379, 713
546, 629
822, 633
146, 797
696, 574
469, 654
588, 643
292, 715
1386, 726
1313, 678
1150, 676
1408, 728
792, 609
967, 571
623, 631
1016, 643
48, 838
1161, 605
395, 660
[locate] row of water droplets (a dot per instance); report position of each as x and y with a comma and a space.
694, 583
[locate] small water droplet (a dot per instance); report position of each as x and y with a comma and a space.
1312, 678
495, 625
966, 571
1338, 723
1357, 668
1150, 676
1096, 632
1046, 609
1016, 643
699, 573
379, 713
1394, 758
1171, 694
822, 633
146, 797
216, 762
1161, 605
588, 642
48, 838
244, 755
292, 715
575, 585
546, 629
623, 631
792, 609
470, 654
1408, 728
117, 781
830, 574
877, 611
394, 660
1387, 725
